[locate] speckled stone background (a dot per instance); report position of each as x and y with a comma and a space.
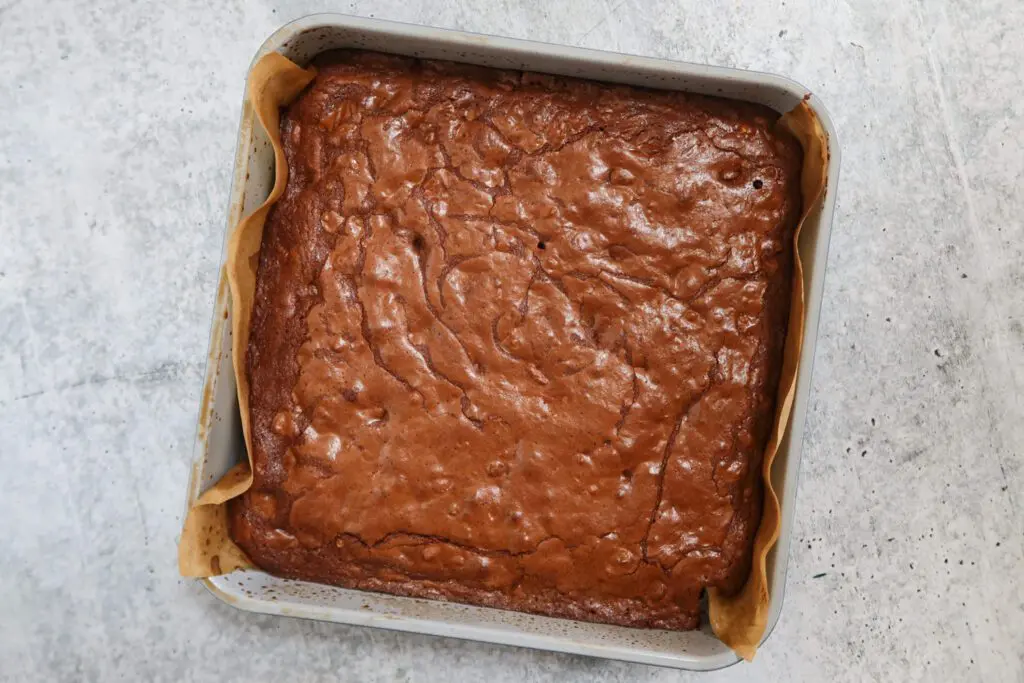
117, 129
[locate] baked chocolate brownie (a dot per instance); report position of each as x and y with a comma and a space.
517, 340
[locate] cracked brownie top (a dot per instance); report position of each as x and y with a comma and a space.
516, 339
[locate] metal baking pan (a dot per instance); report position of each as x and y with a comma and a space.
219, 442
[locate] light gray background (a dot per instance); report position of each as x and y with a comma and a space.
117, 128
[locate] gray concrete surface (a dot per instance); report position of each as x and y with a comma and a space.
117, 126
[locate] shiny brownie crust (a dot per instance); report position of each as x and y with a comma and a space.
517, 339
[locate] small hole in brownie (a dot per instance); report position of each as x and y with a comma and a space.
541, 245
758, 184
627, 474
418, 243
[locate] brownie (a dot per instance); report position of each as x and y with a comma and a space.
517, 339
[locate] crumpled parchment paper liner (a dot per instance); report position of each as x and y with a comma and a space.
740, 620
206, 548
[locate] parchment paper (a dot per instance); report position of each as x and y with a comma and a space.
206, 548
739, 621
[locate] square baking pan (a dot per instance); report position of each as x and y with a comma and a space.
219, 442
